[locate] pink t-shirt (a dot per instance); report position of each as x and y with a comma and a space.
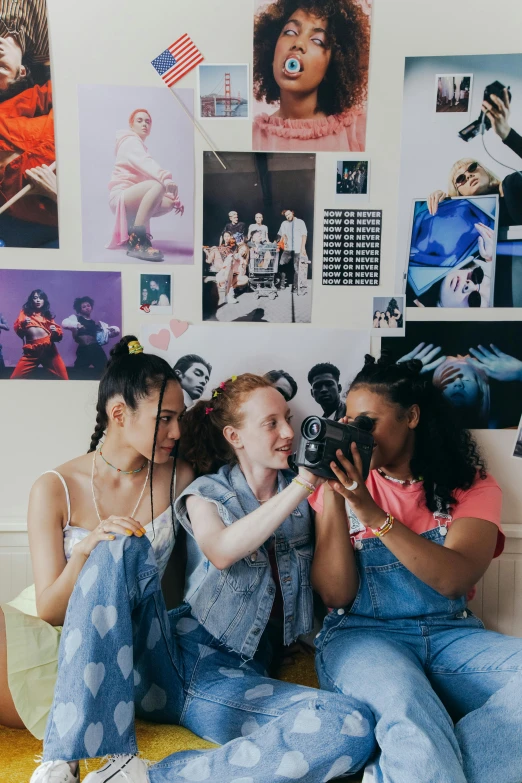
407, 504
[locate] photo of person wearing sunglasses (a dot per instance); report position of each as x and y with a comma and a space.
469, 177
468, 286
452, 256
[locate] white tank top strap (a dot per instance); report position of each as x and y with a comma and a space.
66, 489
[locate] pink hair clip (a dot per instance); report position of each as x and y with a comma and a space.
222, 385
208, 411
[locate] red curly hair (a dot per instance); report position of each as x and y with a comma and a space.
346, 81
203, 444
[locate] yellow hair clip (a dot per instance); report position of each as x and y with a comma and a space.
135, 347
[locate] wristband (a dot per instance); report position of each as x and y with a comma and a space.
385, 527
308, 484
304, 484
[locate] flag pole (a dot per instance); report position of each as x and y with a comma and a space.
197, 126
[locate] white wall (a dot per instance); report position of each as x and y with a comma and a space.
112, 41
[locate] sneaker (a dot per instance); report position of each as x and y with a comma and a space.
54, 772
120, 769
139, 245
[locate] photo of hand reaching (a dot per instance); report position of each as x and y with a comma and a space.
486, 241
426, 354
477, 365
496, 364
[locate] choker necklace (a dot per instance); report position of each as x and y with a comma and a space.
94, 494
399, 481
125, 472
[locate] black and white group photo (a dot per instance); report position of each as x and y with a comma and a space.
315, 386
258, 237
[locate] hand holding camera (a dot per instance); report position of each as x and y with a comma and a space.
350, 475
494, 113
322, 438
497, 111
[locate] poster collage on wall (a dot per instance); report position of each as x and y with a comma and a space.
460, 206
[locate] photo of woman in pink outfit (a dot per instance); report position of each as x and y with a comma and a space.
311, 63
137, 175
139, 190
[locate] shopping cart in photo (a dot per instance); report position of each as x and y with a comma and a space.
263, 268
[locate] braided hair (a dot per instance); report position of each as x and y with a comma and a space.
134, 377
445, 453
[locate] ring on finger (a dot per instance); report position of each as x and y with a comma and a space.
353, 486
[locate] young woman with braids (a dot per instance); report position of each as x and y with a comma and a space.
249, 556
81, 516
397, 557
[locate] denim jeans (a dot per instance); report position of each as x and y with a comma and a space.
116, 656
121, 651
446, 694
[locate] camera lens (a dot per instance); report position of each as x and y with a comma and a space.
312, 428
313, 453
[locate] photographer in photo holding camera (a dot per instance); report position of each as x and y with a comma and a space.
469, 177
398, 569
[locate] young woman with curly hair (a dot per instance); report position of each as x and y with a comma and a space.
404, 550
311, 58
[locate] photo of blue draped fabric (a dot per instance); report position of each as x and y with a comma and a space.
460, 236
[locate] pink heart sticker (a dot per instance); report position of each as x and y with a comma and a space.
160, 340
178, 327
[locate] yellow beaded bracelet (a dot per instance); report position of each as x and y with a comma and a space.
304, 486
385, 527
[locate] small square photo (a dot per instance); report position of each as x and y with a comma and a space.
517, 451
453, 93
156, 294
223, 92
389, 316
352, 178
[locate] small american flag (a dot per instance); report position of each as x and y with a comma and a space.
180, 58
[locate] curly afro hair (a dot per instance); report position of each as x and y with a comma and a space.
345, 84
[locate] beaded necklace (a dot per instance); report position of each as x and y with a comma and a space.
399, 481
125, 472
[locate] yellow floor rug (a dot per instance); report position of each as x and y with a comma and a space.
19, 748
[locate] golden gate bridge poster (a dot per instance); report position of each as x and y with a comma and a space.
223, 91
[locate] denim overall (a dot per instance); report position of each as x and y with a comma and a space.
122, 654
421, 662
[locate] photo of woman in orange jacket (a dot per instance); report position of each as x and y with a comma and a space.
36, 326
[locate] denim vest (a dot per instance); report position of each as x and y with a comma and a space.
234, 604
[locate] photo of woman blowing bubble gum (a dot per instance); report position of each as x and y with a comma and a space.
311, 58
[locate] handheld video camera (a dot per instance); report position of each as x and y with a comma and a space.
321, 438
471, 130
